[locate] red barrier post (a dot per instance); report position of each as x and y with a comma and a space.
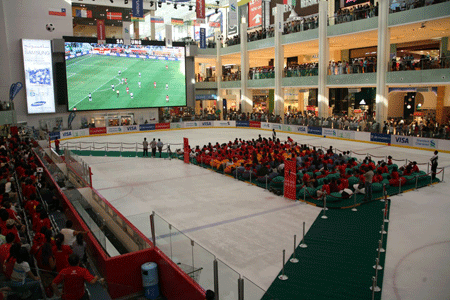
90, 177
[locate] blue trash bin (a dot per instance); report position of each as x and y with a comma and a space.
150, 280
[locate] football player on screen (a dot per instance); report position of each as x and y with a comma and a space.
167, 67
120, 72
126, 80
90, 97
139, 74
139, 83
117, 93
131, 95
167, 86
167, 98
112, 86
154, 84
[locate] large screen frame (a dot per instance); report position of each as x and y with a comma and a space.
44, 61
142, 42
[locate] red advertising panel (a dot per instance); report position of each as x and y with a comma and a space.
186, 150
162, 126
101, 35
200, 9
255, 13
290, 178
98, 130
255, 124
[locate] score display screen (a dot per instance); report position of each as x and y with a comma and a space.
37, 60
114, 76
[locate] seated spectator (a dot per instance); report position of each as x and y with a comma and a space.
415, 168
394, 173
4, 249
22, 277
378, 177
325, 189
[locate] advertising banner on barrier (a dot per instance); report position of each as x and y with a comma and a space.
98, 130
130, 128
80, 132
54, 135
277, 126
315, 130
329, 132
191, 124
255, 124
176, 125
380, 137
266, 125
426, 143
225, 123
402, 140
346, 134
242, 124
362, 136
444, 145
146, 127
302, 129
66, 134
207, 123
162, 126
290, 177
114, 129
289, 128
186, 150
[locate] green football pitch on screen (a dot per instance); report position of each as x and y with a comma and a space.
96, 82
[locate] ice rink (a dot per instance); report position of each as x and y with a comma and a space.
247, 227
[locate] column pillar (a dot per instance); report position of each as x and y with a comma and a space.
323, 91
136, 29
152, 26
219, 74
444, 47
382, 63
246, 101
279, 66
331, 9
440, 116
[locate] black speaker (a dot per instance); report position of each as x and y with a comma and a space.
60, 83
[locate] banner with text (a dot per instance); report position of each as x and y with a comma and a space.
101, 31
290, 178
232, 16
224, 123
426, 143
202, 38
254, 13
380, 137
186, 150
200, 9
126, 32
138, 8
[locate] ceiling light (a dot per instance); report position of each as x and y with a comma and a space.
159, 4
175, 5
190, 7
362, 102
408, 107
126, 1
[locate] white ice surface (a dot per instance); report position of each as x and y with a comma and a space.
248, 228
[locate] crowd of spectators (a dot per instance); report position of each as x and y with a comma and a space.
261, 72
301, 24
323, 170
425, 62
357, 12
300, 70
232, 76
33, 252
260, 34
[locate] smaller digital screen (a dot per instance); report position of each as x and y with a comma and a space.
37, 59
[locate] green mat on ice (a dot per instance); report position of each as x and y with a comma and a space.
338, 262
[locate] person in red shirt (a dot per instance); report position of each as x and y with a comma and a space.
57, 145
4, 249
61, 253
73, 278
11, 228
305, 178
394, 173
415, 168
325, 189
389, 160
378, 177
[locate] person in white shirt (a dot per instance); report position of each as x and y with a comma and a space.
70, 235
21, 275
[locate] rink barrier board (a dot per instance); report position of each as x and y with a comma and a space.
441, 145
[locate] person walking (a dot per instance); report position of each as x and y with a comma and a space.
153, 146
160, 146
368, 177
434, 164
145, 145
57, 142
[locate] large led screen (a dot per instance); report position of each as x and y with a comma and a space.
121, 77
37, 60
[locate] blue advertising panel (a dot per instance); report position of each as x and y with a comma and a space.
145, 127
315, 130
380, 137
202, 38
242, 124
54, 135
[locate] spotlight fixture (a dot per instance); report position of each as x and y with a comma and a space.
190, 7
159, 4
175, 5
168, 3
182, 4
151, 3
216, 10
126, 1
